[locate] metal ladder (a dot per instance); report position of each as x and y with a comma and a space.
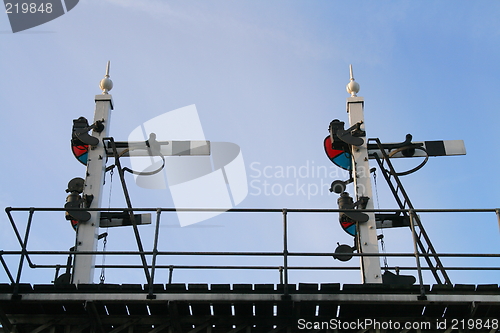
403, 200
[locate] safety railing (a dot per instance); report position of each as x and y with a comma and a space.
27, 256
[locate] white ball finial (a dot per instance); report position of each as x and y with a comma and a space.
106, 84
352, 87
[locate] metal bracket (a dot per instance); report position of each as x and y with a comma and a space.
98, 126
406, 147
88, 198
362, 202
80, 131
346, 202
349, 136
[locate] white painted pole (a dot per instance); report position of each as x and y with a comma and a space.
367, 232
87, 233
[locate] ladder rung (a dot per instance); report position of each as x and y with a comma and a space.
404, 202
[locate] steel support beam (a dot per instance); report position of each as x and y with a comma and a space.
238, 328
161, 327
40, 328
123, 326
6, 324
94, 317
79, 328
200, 327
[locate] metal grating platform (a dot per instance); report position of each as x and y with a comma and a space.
237, 308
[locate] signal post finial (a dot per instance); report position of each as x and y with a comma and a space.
352, 87
106, 84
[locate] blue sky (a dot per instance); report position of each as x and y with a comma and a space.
268, 76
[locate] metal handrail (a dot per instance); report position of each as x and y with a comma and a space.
256, 254
25, 254
262, 210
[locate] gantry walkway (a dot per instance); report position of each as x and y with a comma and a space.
152, 307
246, 308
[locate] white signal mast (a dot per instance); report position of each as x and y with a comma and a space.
88, 232
366, 231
